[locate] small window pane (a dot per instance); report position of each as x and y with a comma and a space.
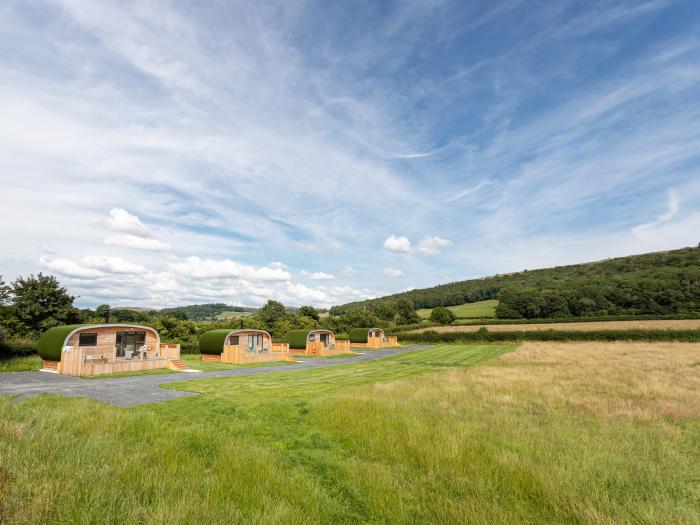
233, 340
87, 340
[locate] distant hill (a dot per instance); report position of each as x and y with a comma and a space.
206, 312
653, 283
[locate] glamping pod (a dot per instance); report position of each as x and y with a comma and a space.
315, 343
371, 338
241, 347
81, 350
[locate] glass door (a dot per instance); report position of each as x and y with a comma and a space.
129, 343
324, 340
255, 342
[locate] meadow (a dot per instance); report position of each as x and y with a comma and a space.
576, 433
477, 310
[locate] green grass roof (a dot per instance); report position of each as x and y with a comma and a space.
360, 335
212, 342
51, 342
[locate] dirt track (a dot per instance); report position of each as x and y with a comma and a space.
670, 324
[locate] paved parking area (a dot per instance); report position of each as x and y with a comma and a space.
139, 390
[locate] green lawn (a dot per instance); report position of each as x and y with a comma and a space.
432, 436
480, 309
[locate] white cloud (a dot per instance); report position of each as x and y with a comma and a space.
469, 191
393, 272
674, 207
317, 276
226, 268
136, 242
348, 271
123, 221
91, 266
397, 244
278, 265
133, 234
431, 245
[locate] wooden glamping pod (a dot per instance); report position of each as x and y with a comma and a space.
241, 347
315, 343
371, 338
84, 350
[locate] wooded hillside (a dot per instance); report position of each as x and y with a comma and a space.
653, 283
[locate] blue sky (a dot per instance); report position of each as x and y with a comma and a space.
164, 153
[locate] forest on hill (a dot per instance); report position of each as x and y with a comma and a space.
659, 283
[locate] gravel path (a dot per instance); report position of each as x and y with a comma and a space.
139, 390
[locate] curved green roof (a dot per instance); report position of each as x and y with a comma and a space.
297, 338
212, 342
52, 341
360, 335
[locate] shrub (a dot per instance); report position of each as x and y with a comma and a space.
442, 315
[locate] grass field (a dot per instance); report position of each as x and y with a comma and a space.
227, 316
664, 324
574, 433
480, 309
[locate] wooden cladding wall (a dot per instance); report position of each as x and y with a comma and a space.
107, 340
239, 355
317, 349
378, 342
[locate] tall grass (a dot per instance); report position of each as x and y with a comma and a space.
451, 434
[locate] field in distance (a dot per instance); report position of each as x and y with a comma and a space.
478, 310
227, 316
661, 324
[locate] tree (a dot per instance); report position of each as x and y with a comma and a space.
406, 313
40, 302
4, 292
309, 311
442, 315
102, 312
386, 310
271, 313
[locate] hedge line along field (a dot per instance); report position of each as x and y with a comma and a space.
574, 433
663, 324
485, 336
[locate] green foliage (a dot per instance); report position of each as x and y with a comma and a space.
271, 313
651, 284
38, 303
4, 293
442, 315
406, 312
173, 330
309, 311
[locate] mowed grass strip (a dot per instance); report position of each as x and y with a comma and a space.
576, 433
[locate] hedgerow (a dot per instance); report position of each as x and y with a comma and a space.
484, 335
